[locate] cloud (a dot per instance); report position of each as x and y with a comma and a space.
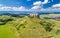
36, 7
52, 9
8, 8
22, 8
45, 1
56, 5
39, 4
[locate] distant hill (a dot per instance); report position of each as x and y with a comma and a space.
24, 12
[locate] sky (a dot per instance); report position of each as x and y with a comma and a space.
30, 5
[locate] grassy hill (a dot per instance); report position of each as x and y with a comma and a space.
6, 32
49, 16
29, 27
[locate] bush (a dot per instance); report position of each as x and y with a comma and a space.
47, 25
4, 19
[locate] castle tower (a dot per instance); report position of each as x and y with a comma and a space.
34, 15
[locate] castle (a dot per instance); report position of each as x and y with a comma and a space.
34, 15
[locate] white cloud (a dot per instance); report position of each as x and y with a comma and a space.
45, 1
22, 8
7, 8
39, 4
54, 8
36, 7
56, 5
51, 10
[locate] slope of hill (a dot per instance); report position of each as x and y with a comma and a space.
30, 27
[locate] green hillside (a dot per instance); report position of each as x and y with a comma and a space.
28, 27
49, 16
6, 32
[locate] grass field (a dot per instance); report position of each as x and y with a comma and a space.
6, 32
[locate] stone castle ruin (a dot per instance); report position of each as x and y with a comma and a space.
34, 15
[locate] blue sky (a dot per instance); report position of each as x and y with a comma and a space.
28, 4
